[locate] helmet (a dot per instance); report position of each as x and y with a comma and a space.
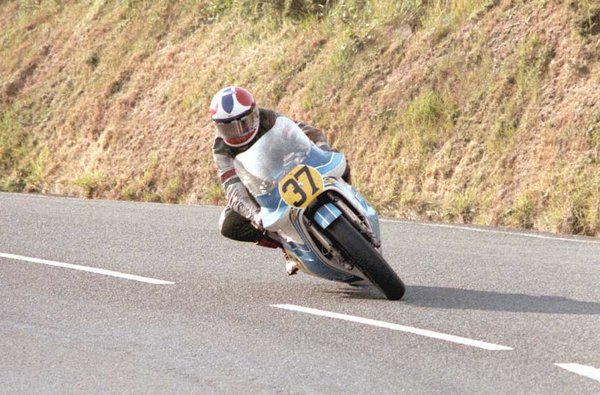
235, 114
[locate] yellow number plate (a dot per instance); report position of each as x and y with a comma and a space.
301, 186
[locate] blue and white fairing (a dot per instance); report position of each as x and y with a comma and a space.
264, 165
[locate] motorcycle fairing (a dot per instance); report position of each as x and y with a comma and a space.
272, 205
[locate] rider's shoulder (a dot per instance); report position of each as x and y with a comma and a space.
267, 118
219, 147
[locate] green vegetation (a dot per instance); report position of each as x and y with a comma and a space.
13, 147
17, 171
91, 183
588, 23
471, 111
427, 121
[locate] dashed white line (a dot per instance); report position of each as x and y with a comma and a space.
396, 327
87, 269
583, 370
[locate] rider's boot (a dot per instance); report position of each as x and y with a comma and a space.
291, 267
269, 243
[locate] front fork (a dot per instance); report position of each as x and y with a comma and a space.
357, 221
326, 246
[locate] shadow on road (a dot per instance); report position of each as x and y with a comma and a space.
468, 299
455, 298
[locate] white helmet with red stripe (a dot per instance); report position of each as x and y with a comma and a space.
235, 114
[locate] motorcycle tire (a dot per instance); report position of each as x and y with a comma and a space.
366, 258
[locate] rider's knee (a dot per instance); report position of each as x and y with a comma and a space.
235, 227
226, 225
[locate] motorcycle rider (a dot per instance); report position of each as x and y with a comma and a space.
239, 123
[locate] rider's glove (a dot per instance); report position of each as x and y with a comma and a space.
256, 221
326, 147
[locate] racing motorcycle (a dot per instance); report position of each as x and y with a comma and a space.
323, 223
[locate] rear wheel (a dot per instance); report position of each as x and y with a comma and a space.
365, 257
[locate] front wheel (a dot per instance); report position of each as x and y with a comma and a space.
363, 255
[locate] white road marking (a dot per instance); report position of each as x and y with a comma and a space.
587, 371
497, 232
396, 327
87, 269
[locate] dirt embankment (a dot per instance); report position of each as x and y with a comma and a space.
488, 114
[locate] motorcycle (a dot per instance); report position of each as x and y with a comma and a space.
323, 223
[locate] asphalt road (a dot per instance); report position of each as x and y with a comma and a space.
213, 327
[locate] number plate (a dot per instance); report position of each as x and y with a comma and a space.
301, 186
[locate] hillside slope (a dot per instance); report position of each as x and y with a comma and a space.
474, 111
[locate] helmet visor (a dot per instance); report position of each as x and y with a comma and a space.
236, 132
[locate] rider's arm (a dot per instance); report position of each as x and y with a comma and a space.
315, 135
240, 201
238, 197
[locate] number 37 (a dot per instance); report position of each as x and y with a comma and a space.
301, 186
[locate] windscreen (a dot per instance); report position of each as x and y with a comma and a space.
277, 152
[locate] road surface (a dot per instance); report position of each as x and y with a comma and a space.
121, 297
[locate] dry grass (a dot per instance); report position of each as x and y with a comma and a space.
482, 111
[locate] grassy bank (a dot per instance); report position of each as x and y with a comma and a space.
470, 111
